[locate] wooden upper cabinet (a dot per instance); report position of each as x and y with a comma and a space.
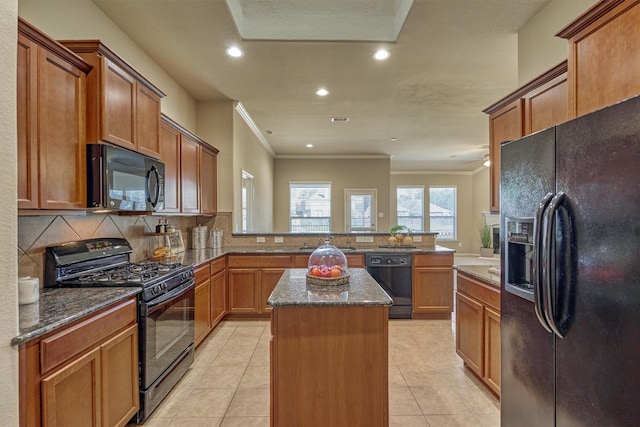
123, 107
208, 180
51, 90
604, 57
537, 105
170, 156
190, 170
189, 174
506, 124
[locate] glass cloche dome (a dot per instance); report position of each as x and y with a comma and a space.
327, 261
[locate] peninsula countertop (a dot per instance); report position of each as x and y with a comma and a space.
362, 290
481, 272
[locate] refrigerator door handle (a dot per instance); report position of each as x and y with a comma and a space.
548, 266
536, 271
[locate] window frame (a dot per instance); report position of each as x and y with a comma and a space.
325, 228
422, 217
454, 237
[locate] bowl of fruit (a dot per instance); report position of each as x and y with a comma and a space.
327, 266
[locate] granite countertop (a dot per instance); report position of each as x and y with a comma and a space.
200, 256
362, 290
480, 272
58, 307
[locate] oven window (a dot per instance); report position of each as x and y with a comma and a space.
168, 331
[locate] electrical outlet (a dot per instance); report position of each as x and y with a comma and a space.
278, 239
260, 239
460, 244
417, 239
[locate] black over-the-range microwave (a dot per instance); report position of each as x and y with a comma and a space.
123, 180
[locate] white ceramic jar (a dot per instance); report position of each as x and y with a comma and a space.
28, 290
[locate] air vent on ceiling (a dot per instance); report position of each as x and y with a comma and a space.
339, 119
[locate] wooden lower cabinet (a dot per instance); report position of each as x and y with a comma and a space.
252, 278
202, 313
432, 286
85, 374
478, 329
218, 290
329, 366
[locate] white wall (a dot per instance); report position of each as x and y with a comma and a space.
8, 213
215, 125
81, 19
251, 156
343, 174
538, 47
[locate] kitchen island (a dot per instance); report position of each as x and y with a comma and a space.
329, 352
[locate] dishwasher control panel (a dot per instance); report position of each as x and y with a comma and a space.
377, 259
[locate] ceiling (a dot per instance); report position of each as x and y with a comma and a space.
422, 106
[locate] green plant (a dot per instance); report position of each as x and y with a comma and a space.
398, 229
485, 236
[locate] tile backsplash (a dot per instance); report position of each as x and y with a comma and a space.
35, 233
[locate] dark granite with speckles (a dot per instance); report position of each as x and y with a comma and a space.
362, 290
60, 306
480, 272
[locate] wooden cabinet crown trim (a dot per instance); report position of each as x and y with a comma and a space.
591, 16
40, 38
91, 46
169, 121
528, 87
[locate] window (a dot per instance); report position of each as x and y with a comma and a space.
310, 207
442, 212
360, 209
247, 201
410, 207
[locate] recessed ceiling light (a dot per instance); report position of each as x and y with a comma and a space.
381, 54
309, 145
393, 139
235, 52
322, 92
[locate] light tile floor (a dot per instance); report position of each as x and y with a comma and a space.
228, 384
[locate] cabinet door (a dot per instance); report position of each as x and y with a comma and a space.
189, 174
218, 297
119, 363
61, 133
118, 108
547, 105
147, 121
433, 292
170, 156
27, 75
269, 278
355, 260
202, 315
71, 396
243, 290
492, 349
469, 317
208, 181
504, 125
603, 58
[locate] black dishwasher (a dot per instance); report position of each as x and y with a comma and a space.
392, 271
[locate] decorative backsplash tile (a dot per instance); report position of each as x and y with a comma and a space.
35, 233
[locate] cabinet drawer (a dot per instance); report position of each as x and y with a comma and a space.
488, 294
217, 266
445, 260
66, 344
201, 273
257, 261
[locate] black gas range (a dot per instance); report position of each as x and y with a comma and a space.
165, 306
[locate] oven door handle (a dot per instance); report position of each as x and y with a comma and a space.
170, 295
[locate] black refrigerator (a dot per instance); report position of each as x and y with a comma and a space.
570, 301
